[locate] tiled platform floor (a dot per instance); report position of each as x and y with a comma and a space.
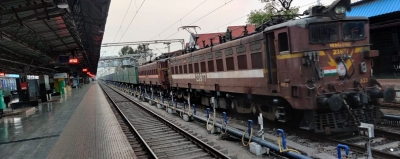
93, 131
36, 135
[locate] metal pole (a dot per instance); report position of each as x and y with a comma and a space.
168, 45
318, 2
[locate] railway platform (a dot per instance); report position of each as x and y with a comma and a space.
81, 126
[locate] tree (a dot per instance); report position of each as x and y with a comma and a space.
141, 49
272, 8
126, 50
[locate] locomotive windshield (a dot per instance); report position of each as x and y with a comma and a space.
324, 33
353, 31
329, 32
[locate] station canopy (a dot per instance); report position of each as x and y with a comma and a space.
34, 33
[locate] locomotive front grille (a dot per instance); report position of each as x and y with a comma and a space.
342, 121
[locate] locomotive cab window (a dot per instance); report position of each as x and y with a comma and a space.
283, 42
324, 33
353, 31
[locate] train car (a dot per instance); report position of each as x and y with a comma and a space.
314, 72
154, 76
133, 76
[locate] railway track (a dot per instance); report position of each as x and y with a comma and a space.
391, 106
383, 146
155, 137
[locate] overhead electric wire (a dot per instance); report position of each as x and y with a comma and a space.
132, 20
130, 23
211, 12
180, 19
228, 23
247, 14
121, 24
203, 17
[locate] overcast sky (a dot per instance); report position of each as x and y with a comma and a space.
155, 16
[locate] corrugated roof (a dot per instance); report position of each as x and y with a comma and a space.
206, 37
372, 8
238, 30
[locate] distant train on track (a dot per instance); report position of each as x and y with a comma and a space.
315, 72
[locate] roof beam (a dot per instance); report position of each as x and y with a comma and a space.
46, 31
45, 23
26, 8
25, 64
65, 44
29, 17
17, 16
50, 16
60, 38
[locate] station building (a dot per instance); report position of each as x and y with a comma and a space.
384, 18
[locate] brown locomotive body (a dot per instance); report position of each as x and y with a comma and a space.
153, 74
315, 72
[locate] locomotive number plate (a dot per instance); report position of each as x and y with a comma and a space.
364, 80
340, 51
200, 77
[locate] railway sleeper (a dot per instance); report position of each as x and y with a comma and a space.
164, 142
160, 136
179, 143
163, 139
184, 153
175, 149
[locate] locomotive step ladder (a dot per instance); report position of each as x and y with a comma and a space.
280, 114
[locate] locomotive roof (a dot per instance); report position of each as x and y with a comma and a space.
303, 22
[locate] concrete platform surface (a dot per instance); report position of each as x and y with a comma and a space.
33, 135
45, 130
93, 131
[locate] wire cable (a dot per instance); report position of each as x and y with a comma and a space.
120, 25
132, 20
130, 23
180, 19
228, 23
202, 17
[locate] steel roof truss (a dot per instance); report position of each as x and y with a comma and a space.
54, 33
29, 17
17, 16
26, 8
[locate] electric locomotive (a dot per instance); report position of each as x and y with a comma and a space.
315, 72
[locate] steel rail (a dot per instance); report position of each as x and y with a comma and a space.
147, 147
215, 153
237, 133
353, 147
387, 134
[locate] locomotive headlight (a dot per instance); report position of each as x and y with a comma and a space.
340, 9
363, 67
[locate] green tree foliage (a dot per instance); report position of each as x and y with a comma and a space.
141, 49
126, 50
271, 8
